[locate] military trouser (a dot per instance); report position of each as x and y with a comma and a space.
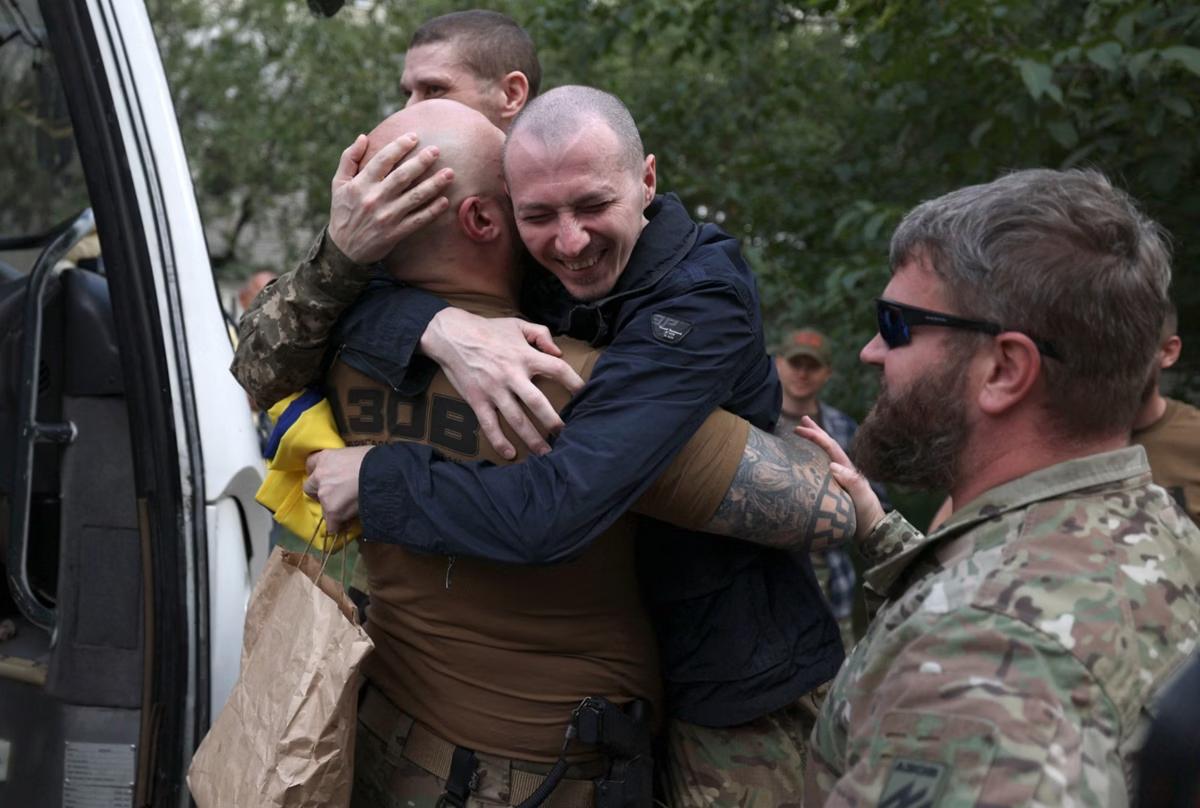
755, 765
400, 763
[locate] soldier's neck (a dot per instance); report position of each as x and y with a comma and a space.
458, 273
994, 457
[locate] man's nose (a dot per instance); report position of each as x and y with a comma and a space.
874, 351
413, 98
572, 238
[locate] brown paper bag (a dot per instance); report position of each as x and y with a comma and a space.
285, 738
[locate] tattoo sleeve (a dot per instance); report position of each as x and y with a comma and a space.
783, 495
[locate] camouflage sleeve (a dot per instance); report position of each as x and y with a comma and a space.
892, 537
977, 709
282, 336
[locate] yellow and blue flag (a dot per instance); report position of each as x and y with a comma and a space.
303, 424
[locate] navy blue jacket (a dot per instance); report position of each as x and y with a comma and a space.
743, 629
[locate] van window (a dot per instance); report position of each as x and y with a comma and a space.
39, 164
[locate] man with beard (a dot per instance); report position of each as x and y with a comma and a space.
1019, 645
1169, 430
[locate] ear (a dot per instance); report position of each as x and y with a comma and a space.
480, 219
649, 182
1168, 353
1012, 369
515, 88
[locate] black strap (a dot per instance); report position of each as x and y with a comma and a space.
461, 780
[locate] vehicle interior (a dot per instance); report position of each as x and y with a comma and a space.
74, 646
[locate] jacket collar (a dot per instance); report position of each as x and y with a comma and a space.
668, 236
1044, 484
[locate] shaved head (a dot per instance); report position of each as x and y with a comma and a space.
469, 143
556, 117
472, 247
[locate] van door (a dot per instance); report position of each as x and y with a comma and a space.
128, 534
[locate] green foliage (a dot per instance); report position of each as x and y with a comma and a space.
806, 129
267, 97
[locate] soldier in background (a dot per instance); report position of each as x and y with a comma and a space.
482, 59
804, 361
1169, 430
1021, 643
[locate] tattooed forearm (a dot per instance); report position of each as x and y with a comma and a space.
783, 495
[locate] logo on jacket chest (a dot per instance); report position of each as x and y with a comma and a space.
670, 330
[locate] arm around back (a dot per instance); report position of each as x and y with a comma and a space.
647, 396
282, 336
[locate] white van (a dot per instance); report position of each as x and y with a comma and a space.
129, 536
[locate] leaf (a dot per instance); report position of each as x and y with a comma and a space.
1154, 122
1180, 106
1123, 30
1039, 79
1187, 56
1077, 156
1137, 63
1063, 133
875, 224
979, 131
1106, 55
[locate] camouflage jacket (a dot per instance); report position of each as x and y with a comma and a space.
1019, 646
282, 336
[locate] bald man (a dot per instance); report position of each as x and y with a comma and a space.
744, 631
482, 59
484, 663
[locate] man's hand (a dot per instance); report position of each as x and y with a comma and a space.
333, 481
490, 363
867, 509
375, 206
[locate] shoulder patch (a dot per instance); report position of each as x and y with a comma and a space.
670, 330
912, 784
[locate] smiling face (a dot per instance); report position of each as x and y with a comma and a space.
436, 71
579, 207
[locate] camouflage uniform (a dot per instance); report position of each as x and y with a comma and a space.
1019, 646
752, 765
282, 336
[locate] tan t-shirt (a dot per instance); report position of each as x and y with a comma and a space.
495, 657
1172, 444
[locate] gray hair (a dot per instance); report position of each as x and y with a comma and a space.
559, 114
1170, 322
1066, 258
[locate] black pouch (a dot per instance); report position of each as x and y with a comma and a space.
624, 735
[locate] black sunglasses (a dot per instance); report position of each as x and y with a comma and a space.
897, 320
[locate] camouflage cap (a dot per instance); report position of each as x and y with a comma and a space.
805, 342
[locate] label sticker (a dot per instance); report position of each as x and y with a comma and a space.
670, 330
912, 784
99, 775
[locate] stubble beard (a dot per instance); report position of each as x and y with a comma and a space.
916, 437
